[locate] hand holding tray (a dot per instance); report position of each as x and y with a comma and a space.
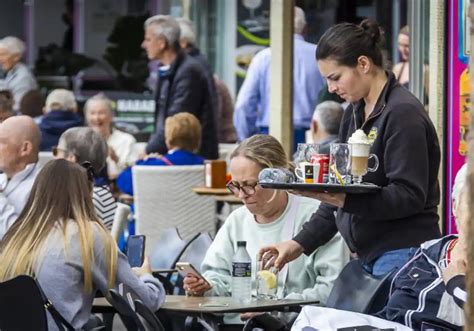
324, 187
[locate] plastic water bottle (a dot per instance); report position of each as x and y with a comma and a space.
241, 274
276, 175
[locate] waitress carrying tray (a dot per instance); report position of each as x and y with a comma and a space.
324, 188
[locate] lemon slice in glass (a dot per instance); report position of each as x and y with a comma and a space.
338, 175
269, 278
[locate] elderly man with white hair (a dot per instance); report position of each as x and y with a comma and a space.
19, 78
252, 108
182, 85
325, 124
60, 114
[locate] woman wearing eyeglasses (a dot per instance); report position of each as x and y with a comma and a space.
262, 220
83, 144
59, 241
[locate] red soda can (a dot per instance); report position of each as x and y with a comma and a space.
323, 161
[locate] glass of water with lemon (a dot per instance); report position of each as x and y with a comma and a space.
267, 278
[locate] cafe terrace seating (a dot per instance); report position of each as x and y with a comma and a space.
164, 199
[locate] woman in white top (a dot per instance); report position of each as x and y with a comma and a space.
99, 116
59, 241
267, 215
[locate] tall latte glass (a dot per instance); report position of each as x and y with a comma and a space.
360, 155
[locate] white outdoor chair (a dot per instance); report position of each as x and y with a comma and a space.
120, 220
44, 157
164, 199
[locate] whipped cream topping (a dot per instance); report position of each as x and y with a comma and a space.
359, 137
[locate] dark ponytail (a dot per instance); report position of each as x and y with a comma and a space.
346, 42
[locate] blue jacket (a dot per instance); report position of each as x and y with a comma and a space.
177, 157
418, 293
54, 124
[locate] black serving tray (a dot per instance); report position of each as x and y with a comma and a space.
324, 188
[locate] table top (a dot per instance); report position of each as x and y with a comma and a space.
211, 191
219, 194
213, 305
230, 199
179, 303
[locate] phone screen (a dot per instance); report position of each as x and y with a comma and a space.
136, 250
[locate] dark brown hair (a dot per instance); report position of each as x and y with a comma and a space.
32, 103
6, 101
346, 42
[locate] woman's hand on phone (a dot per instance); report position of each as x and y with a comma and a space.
195, 286
145, 269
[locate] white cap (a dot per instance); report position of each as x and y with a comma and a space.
61, 99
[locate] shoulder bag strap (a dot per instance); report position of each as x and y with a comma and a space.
288, 233
58, 319
165, 160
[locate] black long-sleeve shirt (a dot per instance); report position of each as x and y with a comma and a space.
404, 212
184, 88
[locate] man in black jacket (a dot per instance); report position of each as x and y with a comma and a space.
182, 85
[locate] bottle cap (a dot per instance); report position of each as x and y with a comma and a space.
241, 243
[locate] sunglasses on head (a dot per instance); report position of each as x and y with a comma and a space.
90, 170
55, 150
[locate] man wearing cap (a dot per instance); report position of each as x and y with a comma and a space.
60, 114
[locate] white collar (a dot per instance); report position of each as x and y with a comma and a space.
9, 185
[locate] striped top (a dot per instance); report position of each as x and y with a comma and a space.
105, 205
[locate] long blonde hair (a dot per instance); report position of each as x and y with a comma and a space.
61, 194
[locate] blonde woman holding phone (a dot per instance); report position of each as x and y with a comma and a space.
59, 240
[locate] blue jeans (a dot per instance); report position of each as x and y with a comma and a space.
389, 261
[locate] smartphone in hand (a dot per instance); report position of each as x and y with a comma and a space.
187, 269
136, 250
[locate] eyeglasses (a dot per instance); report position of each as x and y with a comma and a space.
90, 170
236, 187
